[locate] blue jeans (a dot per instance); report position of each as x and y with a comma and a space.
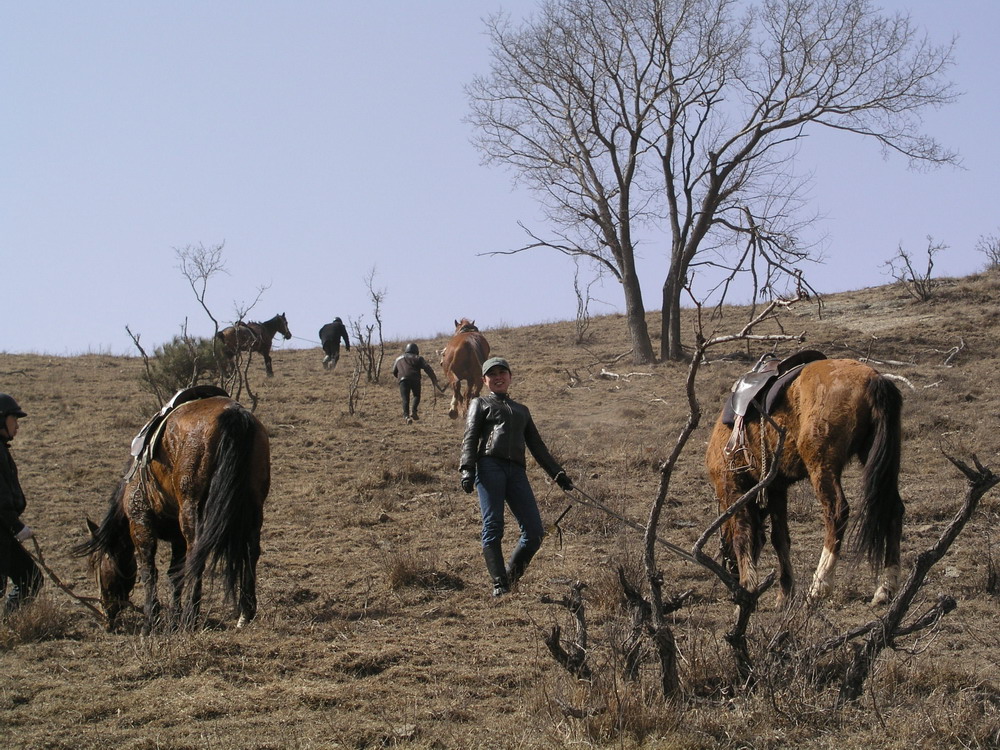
497, 481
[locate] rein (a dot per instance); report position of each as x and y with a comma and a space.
86, 601
592, 502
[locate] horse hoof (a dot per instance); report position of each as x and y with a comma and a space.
819, 591
453, 414
882, 597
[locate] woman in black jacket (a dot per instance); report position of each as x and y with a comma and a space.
497, 431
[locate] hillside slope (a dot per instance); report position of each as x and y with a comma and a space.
375, 626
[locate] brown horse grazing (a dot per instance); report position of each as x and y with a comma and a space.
200, 486
463, 361
254, 337
836, 409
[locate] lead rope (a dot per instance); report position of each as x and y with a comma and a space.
86, 601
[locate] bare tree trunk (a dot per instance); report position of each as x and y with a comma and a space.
635, 312
670, 325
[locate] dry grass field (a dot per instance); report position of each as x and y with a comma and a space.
376, 628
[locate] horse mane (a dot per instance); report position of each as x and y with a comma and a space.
111, 538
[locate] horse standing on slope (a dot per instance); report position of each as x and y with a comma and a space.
254, 337
199, 485
462, 361
834, 410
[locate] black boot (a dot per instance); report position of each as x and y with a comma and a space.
519, 561
494, 566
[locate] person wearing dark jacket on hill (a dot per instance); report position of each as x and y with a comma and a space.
497, 431
407, 369
15, 563
330, 337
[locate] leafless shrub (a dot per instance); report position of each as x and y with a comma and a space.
353, 386
187, 360
369, 345
989, 246
583, 300
903, 268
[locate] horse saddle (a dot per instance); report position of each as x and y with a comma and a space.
761, 389
146, 440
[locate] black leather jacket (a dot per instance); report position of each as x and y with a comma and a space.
11, 497
499, 427
408, 367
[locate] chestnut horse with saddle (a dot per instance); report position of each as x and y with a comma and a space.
462, 361
832, 411
254, 337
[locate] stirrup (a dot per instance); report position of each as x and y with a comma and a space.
741, 459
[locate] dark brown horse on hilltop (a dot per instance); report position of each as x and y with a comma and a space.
462, 361
198, 481
834, 410
254, 337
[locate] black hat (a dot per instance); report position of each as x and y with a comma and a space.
9, 406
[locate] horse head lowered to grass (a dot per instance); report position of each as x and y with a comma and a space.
834, 410
198, 480
462, 362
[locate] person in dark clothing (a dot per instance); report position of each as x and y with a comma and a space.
15, 563
330, 337
497, 431
407, 369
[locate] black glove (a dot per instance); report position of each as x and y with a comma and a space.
564, 481
468, 482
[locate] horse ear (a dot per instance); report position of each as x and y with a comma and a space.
92, 528
456, 324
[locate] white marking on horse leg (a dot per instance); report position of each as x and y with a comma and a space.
822, 583
748, 576
242, 621
888, 585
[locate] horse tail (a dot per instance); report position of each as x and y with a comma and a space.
229, 519
881, 514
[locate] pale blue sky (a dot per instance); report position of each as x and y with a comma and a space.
319, 139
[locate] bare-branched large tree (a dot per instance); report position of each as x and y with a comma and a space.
635, 119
